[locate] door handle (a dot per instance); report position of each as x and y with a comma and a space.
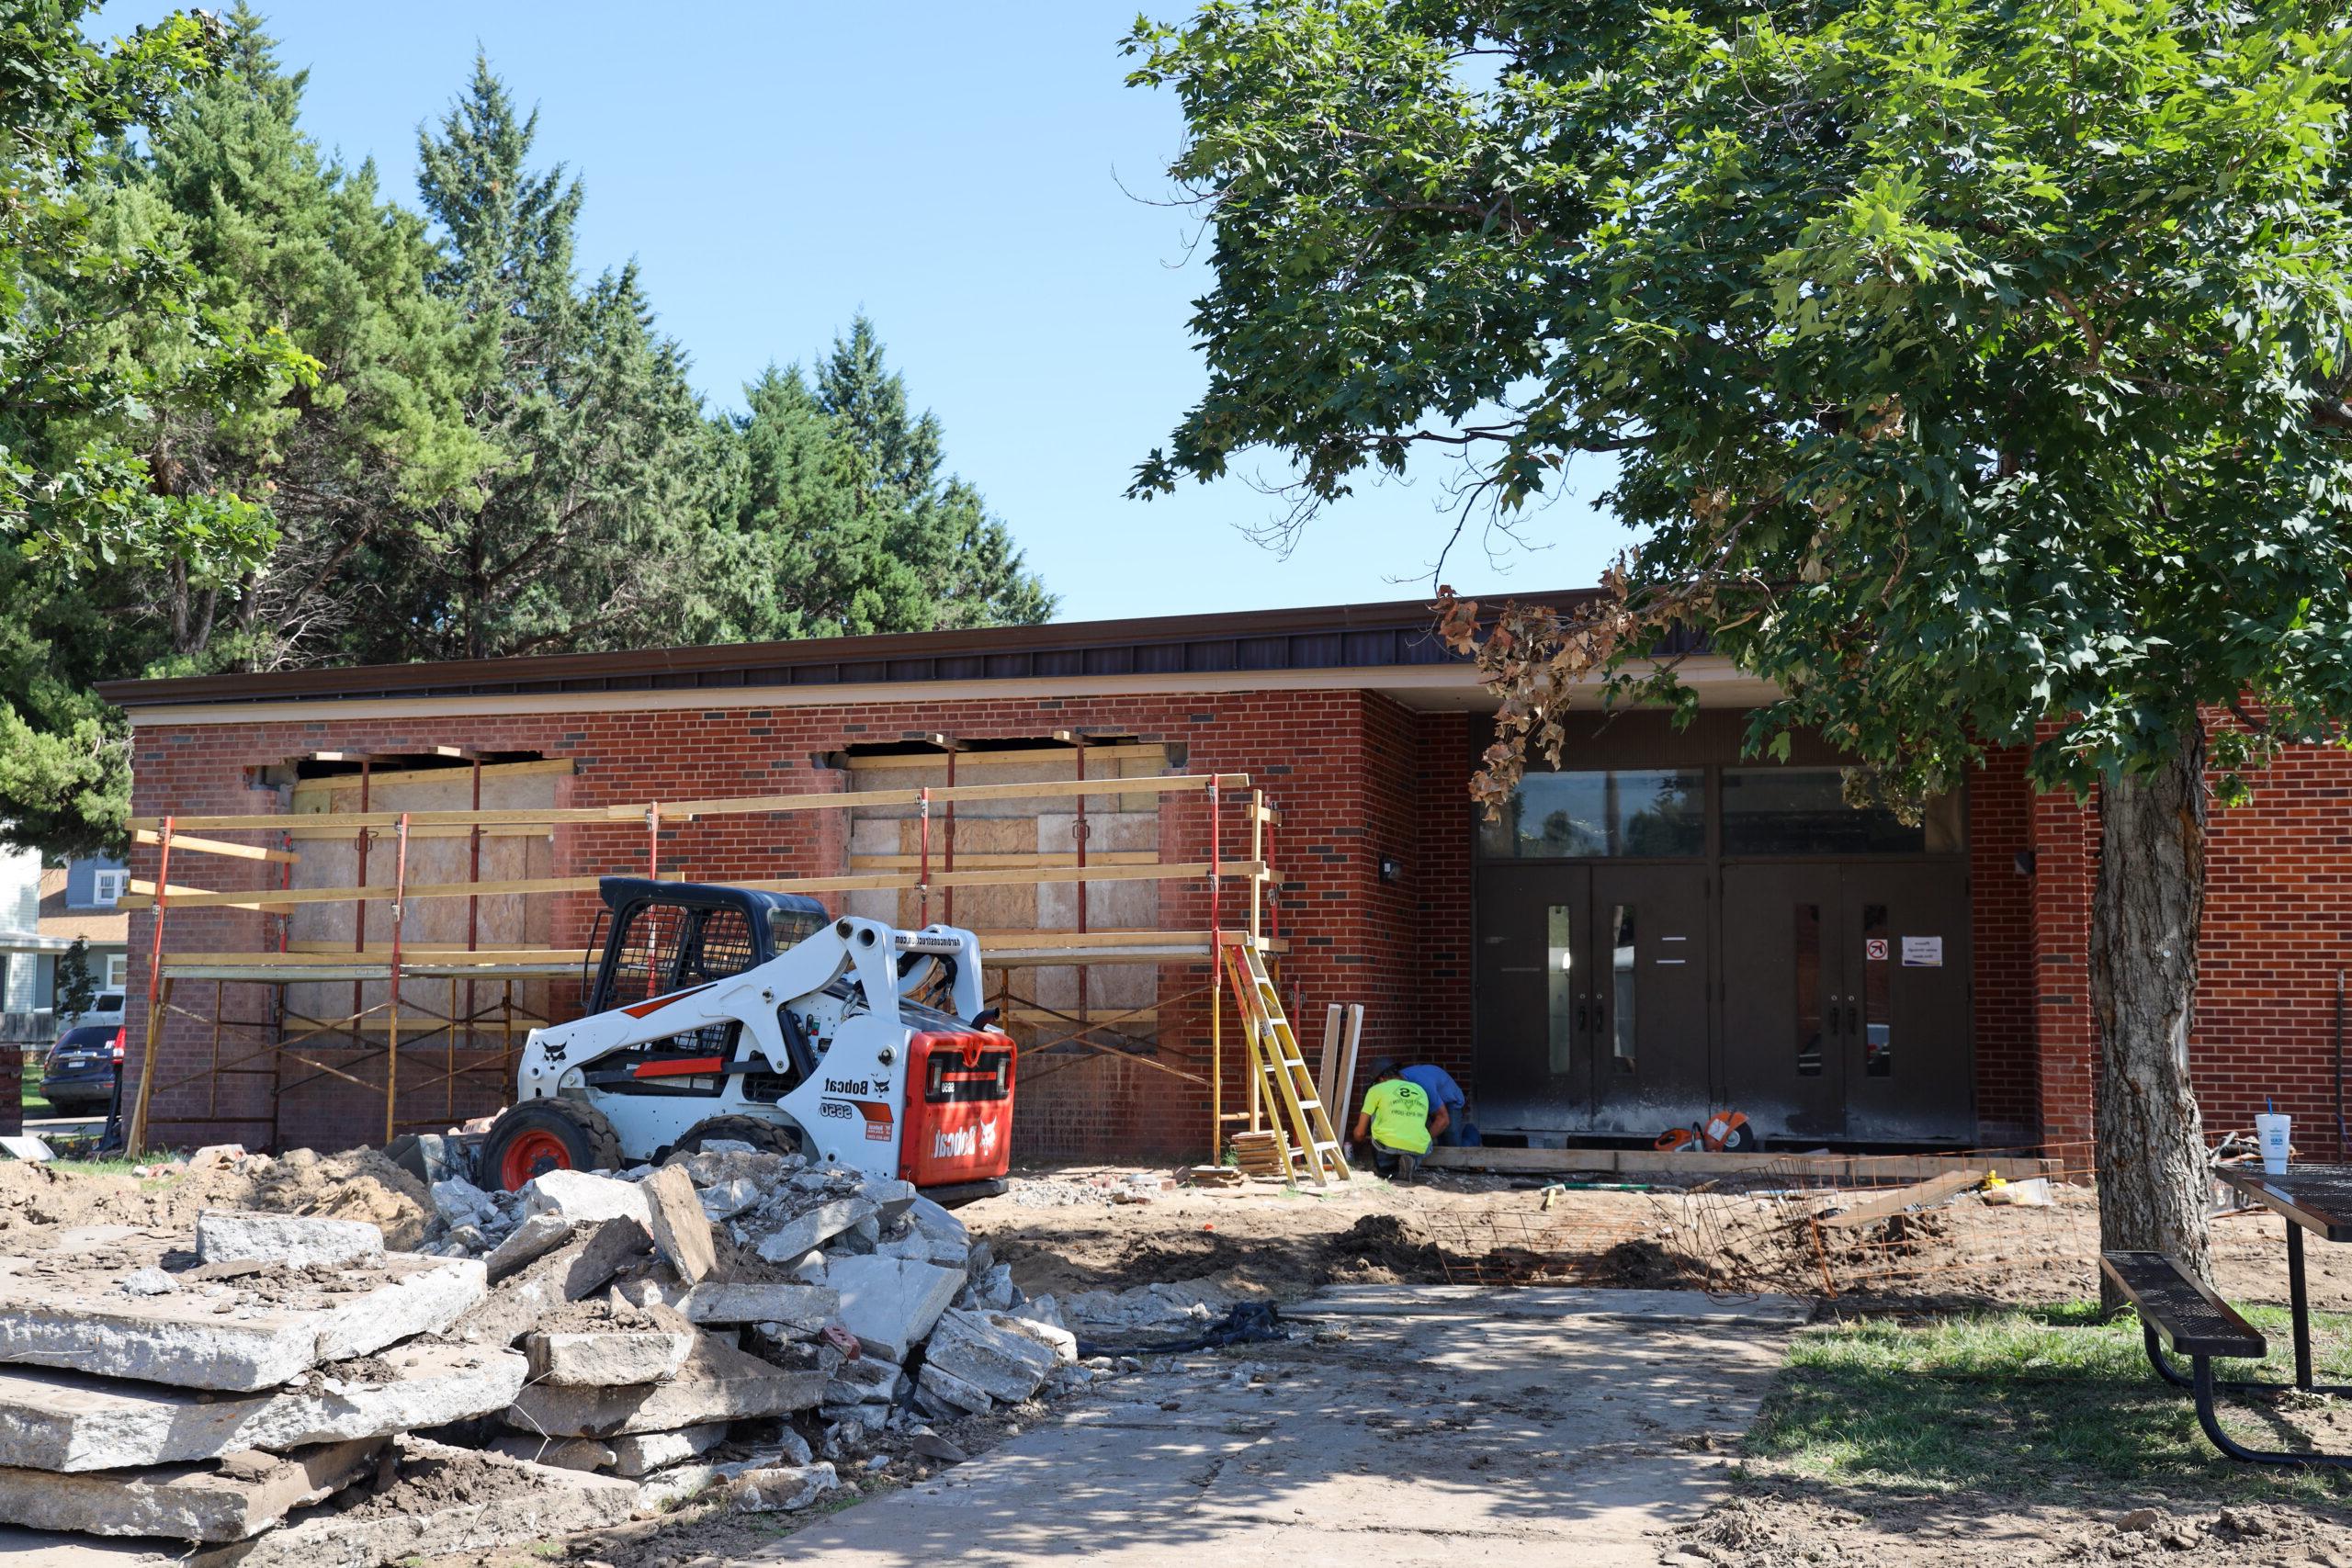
1853, 1018
1584, 1018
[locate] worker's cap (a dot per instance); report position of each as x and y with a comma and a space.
1384, 1066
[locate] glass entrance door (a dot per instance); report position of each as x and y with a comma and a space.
1592, 991
1846, 999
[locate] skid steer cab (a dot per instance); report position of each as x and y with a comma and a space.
727, 1013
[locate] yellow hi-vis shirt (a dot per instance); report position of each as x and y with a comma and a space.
1400, 1115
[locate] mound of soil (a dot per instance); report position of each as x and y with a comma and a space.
359, 1184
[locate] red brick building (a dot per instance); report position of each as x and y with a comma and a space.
1660, 926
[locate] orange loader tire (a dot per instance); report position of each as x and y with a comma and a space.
764, 1137
541, 1136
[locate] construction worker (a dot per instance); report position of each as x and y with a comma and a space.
1395, 1117
1446, 1100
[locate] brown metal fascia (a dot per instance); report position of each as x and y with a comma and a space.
644, 667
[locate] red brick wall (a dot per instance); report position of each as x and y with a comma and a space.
2000, 824
2278, 932
2278, 928
1343, 767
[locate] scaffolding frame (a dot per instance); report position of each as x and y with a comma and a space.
411, 1026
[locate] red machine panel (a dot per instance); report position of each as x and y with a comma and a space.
960, 1109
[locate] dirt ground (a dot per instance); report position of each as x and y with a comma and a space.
1063, 1233
1071, 1230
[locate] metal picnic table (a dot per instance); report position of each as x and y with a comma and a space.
2314, 1198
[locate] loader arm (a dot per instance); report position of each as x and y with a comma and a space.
865, 950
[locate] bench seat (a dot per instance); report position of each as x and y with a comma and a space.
2181, 1309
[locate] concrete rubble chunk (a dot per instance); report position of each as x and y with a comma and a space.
24, 1146
219, 1335
581, 1196
460, 1202
869, 1379
1004, 1363
815, 1228
295, 1241
891, 1198
537, 1236
227, 1499
804, 1308
889, 1302
216, 1156
71, 1421
640, 1454
937, 1222
952, 1392
731, 1198
680, 1231
1051, 1335
416, 1519
562, 1453
572, 1272
612, 1358
718, 1382
781, 1489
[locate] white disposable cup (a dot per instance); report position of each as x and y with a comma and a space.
2270, 1131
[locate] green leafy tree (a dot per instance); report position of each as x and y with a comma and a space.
1975, 372
842, 519
78, 495
344, 442
77, 988
580, 530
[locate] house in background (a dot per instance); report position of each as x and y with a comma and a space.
28, 959
79, 899
42, 911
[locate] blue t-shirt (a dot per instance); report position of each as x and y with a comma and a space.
1438, 1084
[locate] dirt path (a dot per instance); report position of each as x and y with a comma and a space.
1061, 1233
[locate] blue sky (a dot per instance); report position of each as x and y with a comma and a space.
968, 176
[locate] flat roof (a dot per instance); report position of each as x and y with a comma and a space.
1398, 634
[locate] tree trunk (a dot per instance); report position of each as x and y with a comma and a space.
2153, 1191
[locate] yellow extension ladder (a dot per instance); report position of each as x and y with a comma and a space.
1276, 1058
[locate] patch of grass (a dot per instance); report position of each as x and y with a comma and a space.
119, 1165
2050, 1401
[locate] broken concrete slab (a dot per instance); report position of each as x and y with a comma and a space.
581, 1196
869, 1379
952, 1391
892, 1198
780, 1489
1007, 1365
807, 1231
890, 1303
226, 1499
1052, 1335
562, 1453
293, 1241
570, 1274
640, 1454
71, 1421
937, 1222
609, 1357
718, 1382
241, 1336
523, 1505
806, 1308
680, 1231
537, 1236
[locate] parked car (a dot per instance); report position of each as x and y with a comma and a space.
81, 1067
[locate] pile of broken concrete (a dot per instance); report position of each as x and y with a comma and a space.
282, 1391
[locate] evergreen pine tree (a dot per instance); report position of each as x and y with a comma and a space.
581, 533
842, 520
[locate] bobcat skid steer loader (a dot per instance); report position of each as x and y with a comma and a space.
726, 1013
